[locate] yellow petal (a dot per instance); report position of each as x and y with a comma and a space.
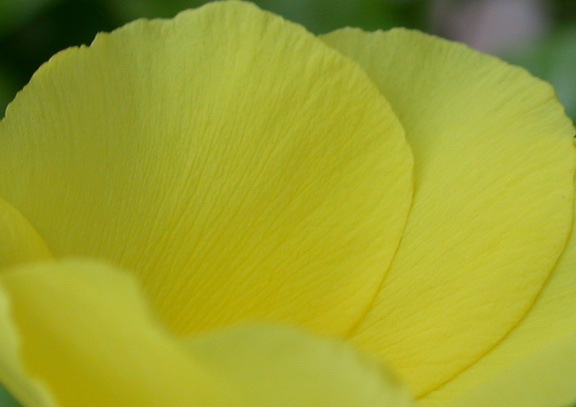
13, 374
543, 378
84, 331
283, 367
492, 202
244, 168
535, 364
19, 241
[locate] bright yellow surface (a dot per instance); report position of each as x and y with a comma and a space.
494, 165
240, 169
85, 331
13, 375
240, 166
535, 365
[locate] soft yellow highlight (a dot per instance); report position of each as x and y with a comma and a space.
242, 168
86, 333
19, 241
13, 374
282, 367
492, 205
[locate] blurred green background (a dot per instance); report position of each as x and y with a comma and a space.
537, 34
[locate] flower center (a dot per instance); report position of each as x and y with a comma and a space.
19, 241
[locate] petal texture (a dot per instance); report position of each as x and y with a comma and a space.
492, 205
535, 364
85, 331
283, 367
245, 169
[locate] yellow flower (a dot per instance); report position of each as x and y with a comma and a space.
400, 191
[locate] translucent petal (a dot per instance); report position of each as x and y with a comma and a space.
19, 241
292, 368
492, 203
535, 364
13, 374
246, 170
83, 329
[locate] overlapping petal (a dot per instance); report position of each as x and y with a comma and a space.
243, 168
494, 164
85, 331
19, 241
291, 368
13, 373
535, 364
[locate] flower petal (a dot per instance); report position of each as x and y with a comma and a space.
13, 374
535, 364
293, 368
492, 205
84, 331
19, 241
243, 167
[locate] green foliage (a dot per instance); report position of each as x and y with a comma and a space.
14, 12
6, 400
7, 90
33, 30
317, 15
